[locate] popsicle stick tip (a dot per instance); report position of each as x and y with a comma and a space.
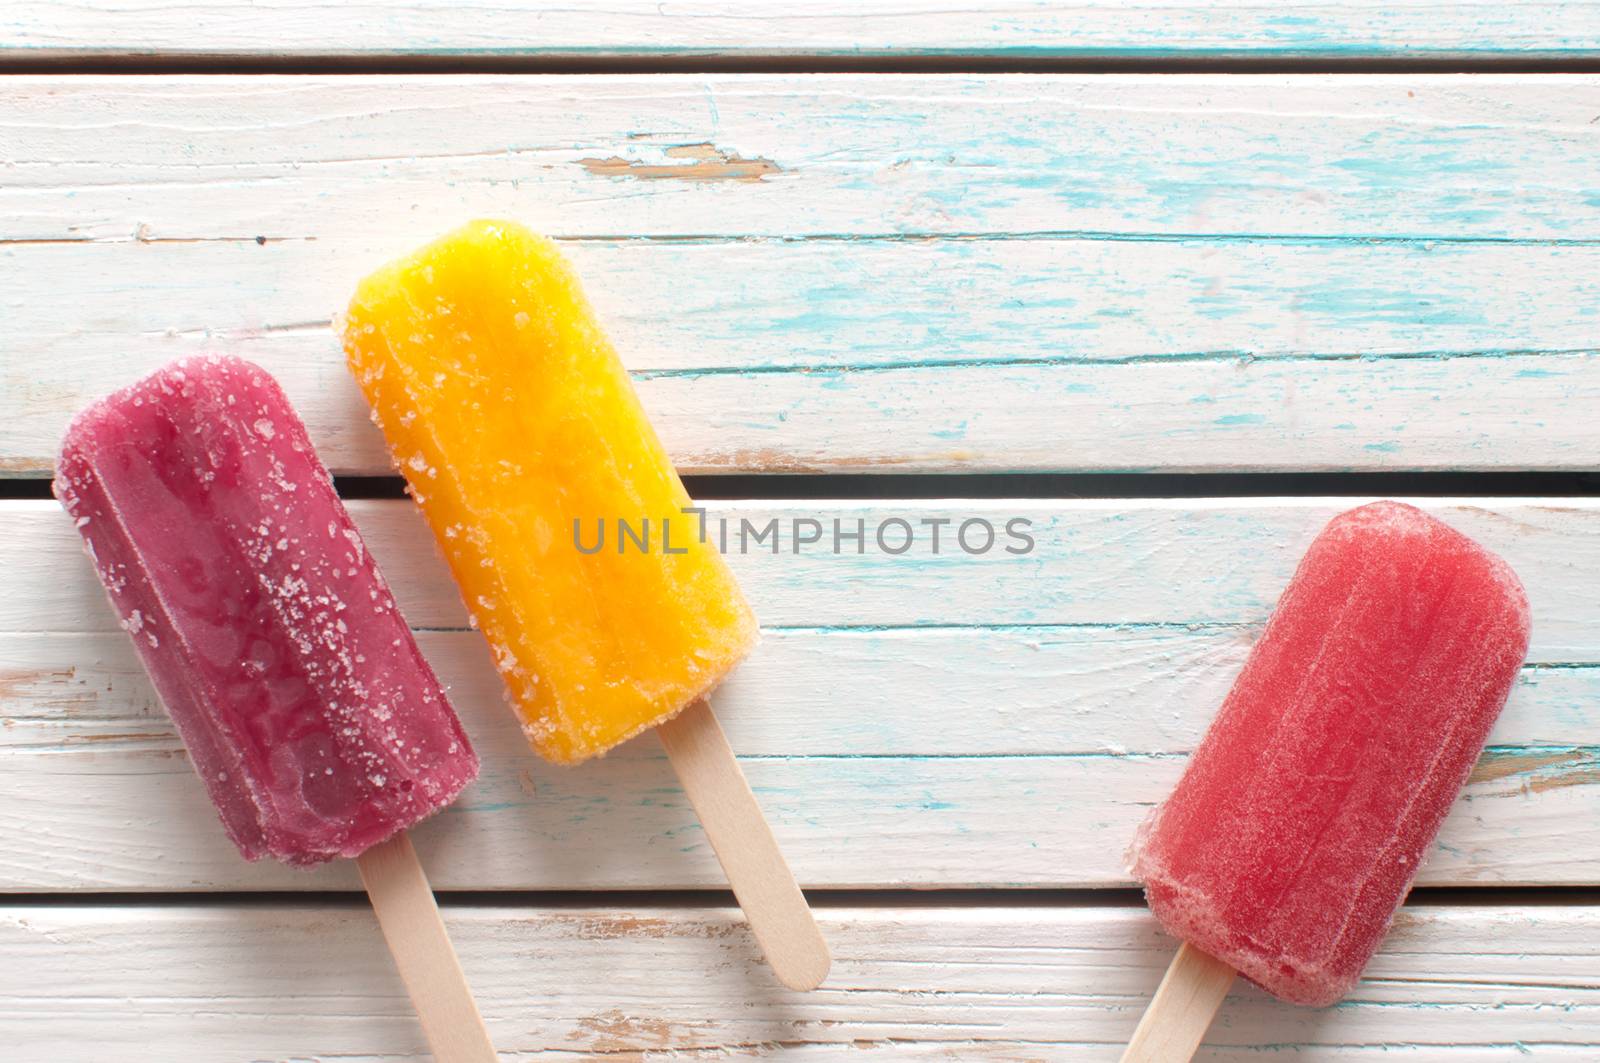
805, 965
409, 917
773, 904
804, 959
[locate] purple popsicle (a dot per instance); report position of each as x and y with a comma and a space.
264, 623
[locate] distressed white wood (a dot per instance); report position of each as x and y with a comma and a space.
833, 304
630, 29
133, 818
1465, 984
915, 720
1093, 562
1125, 272
384, 159
1528, 412
949, 691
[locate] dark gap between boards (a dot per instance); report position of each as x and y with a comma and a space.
871, 486
623, 900
1109, 62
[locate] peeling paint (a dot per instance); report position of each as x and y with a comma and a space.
1550, 770
622, 926
612, 927
18, 683
710, 163
614, 1031
122, 736
770, 460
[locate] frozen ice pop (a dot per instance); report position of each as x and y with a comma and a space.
516, 425
1301, 820
267, 630
512, 418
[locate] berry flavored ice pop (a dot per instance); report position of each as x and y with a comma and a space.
515, 423
275, 645
1301, 820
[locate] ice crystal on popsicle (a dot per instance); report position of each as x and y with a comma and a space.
267, 630
512, 418
1302, 818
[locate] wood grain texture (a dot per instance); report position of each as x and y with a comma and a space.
1093, 562
868, 272
917, 720
1468, 984
643, 28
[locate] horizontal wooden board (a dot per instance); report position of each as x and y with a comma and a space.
378, 161
1523, 411
920, 720
898, 273
857, 304
634, 29
1468, 984
132, 817
1093, 562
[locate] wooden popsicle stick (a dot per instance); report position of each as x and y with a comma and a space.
1175, 1023
411, 924
776, 909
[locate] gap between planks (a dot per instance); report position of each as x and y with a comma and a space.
823, 897
417, 34
70, 64
758, 488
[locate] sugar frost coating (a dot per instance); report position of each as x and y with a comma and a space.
266, 627
1305, 813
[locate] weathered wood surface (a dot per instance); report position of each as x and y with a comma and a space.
633, 29
1083, 273
1470, 984
913, 720
971, 273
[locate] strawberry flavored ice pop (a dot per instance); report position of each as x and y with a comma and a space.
1300, 822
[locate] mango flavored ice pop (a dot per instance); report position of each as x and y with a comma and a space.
1302, 818
514, 422
275, 645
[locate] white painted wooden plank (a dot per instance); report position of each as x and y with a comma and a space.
1009, 353
927, 721
130, 816
1094, 561
1526, 412
934, 691
1049, 983
385, 159
833, 304
1216, 305
631, 29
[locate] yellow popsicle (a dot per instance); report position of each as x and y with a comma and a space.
520, 434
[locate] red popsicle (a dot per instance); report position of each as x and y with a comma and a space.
1302, 818
273, 641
